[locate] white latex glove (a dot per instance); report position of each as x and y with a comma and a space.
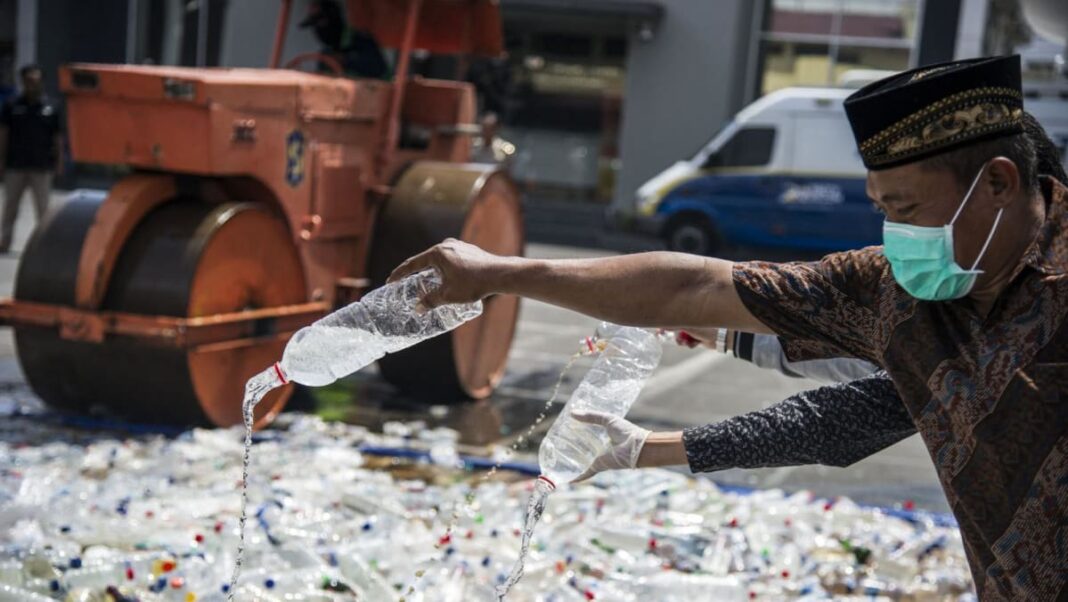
626, 440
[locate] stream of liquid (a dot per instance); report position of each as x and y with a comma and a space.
470, 497
535, 508
258, 386
255, 389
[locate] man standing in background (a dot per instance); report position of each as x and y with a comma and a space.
31, 142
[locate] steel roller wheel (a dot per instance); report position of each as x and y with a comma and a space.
431, 202
186, 258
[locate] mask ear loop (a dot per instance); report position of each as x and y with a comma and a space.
989, 238
968, 195
997, 219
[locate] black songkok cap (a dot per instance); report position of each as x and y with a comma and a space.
930, 110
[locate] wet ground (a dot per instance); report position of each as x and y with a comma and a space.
690, 388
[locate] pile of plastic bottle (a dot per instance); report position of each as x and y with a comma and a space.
92, 517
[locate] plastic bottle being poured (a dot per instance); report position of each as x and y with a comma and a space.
627, 357
385, 320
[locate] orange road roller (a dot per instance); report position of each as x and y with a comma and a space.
256, 201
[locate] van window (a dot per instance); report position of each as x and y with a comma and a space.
749, 147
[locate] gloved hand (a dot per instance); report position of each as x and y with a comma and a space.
626, 440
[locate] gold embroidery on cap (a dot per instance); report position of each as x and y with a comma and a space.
957, 117
961, 98
956, 123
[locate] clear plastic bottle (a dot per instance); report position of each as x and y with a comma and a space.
385, 320
611, 386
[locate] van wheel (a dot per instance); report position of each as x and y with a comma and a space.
692, 234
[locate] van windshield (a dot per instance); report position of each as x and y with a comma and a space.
748, 147
714, 142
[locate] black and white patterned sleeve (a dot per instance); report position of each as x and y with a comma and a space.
835, 425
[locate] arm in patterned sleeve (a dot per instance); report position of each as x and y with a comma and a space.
835, 425
821, 309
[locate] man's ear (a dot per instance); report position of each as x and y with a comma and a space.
1002, 180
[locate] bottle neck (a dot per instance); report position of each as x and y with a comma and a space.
281, 374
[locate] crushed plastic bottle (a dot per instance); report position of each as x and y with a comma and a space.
627, 358
325, 519
385, 320
611, 386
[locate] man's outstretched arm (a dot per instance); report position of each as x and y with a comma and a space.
835, 425
658, 289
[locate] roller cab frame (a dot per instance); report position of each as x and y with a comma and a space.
258, 200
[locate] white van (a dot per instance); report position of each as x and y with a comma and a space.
785, 172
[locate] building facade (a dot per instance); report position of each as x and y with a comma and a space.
597, 96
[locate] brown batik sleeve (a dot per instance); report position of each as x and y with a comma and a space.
819, 309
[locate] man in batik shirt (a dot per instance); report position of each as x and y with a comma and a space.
964, 306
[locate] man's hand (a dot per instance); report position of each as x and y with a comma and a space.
693, 337
467, 272
657, 289
626, 440
706, 337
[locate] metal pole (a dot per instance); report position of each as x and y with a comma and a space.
131, 30
917, 34
26, 33
753, 88
836, 32
280, 34
202, 33
400, 82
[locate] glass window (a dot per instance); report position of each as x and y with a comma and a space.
615, 48
815, 42
866, 57
749, 147
795, 64
562, 45
881, 19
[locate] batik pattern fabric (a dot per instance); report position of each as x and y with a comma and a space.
988, 395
